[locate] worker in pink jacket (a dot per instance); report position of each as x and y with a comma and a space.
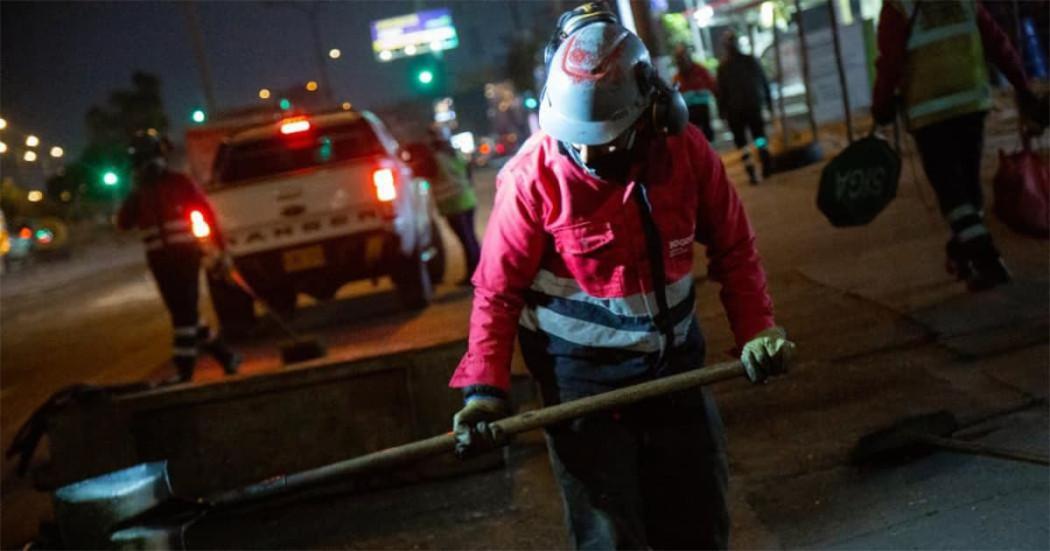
588, 259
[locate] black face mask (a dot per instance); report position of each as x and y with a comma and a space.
612, 166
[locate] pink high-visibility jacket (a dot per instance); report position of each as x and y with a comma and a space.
564, 256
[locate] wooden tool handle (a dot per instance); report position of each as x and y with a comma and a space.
437, 445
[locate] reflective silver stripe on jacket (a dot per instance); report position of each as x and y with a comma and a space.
638, 304
628, 320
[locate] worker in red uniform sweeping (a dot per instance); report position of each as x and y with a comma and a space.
176, 220
588, 259
933, 53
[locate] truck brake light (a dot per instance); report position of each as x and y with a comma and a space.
198, 225
383, 179
294, 125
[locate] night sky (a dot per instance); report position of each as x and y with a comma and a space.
59, 58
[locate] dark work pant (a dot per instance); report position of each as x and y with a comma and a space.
700, 115
463, 226
740, 123
951, 156
649, 475
176, 271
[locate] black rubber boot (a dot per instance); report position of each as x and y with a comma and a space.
987, 267
752, 176
217, 348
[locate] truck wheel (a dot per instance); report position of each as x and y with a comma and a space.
412, 279
234, 308
436, 263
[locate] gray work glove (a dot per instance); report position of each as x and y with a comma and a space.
471, 425
767, 354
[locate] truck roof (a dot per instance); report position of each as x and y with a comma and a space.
271, 129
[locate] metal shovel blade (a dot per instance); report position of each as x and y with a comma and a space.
87, 511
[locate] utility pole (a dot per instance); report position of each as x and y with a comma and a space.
780, 79
694, 29
312, 10
197, 39
842, 72
804, 54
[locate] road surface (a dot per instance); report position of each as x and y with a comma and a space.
882, 330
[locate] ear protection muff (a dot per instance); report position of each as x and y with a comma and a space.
668, 114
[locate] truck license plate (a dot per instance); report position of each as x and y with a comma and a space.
297, 260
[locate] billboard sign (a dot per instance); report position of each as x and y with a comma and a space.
414, 34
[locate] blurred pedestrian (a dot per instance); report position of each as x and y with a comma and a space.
744, 90
588, 258
451, 181
933, 53
163, 204
698, 88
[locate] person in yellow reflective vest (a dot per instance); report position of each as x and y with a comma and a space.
933, 53
450, 180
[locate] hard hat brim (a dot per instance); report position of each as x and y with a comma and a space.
580, 132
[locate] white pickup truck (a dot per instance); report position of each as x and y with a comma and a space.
309, 203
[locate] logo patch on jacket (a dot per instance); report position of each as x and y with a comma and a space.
680, 246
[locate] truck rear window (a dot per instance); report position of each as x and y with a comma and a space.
283, 154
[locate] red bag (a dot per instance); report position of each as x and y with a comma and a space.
1022, 192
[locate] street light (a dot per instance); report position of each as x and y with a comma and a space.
704, 15
35, 196
3, 147
311, 86
347, 105
3, 124
264, 93
57, 152
32, 141
29, 157
334, 53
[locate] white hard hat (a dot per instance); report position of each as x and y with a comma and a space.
593, 91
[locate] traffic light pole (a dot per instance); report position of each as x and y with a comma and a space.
198, 51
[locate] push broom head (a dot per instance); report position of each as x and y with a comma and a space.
903, 439
301, 350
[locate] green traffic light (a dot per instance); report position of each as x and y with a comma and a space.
531, 103
199, 116
285, 104
425, 76
110, 178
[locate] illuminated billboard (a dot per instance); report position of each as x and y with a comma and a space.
413, 34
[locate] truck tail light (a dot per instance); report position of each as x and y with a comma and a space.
294, 125
383, 179
198, 225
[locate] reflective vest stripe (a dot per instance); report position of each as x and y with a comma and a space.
937, 34
154, 242
945, 103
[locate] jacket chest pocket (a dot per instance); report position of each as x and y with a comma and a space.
591, 254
